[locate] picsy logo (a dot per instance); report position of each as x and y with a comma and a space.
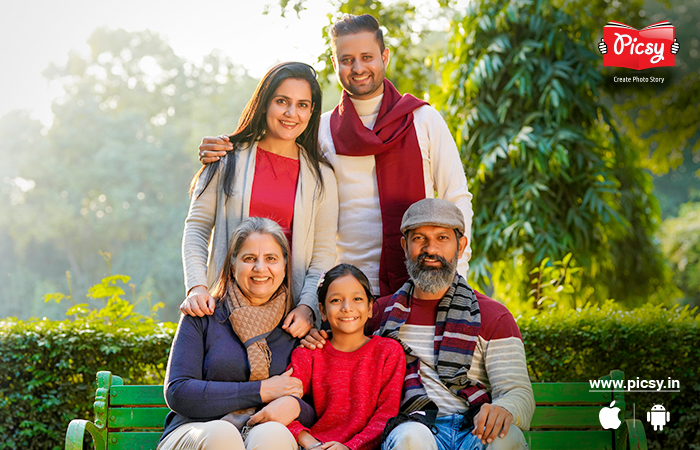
653, 46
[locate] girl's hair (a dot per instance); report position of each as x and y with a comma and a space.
340, 271
244, 229
252, 126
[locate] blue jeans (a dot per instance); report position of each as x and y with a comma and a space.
450, 437
416, 436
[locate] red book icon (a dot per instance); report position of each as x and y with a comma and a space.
638, 49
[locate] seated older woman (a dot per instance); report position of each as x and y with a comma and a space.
228, 366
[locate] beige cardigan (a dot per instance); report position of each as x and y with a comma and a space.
314, 226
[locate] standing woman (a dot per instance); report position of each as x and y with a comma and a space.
275, 171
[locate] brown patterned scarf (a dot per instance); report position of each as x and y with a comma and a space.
252, 325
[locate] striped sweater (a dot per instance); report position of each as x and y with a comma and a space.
498, 362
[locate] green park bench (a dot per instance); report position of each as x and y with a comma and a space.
566, 418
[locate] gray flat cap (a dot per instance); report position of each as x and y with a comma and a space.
433, 212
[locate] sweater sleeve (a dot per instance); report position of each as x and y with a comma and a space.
324, 240
302, 365
506, 369
198, 230
392, 377
307, 415
448, 173
187, 393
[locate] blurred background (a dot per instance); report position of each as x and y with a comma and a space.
585, 189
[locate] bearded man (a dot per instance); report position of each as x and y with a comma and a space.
466, 373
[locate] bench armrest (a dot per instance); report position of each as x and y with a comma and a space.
76, 434
631, 435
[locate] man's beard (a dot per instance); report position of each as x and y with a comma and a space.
432, 279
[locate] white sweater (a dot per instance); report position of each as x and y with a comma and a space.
213, 217
359, 214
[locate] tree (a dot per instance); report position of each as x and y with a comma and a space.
112, 172
548, 171
680, 240
596, 201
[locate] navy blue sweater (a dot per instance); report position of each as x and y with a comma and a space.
208, 371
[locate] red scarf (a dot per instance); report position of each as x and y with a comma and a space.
394, 144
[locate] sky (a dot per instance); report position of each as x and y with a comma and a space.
35, 33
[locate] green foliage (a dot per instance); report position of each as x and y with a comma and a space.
553, 283
660, 118
650, 342
49, 367
548, 172
667, 121
680, 241
113, 170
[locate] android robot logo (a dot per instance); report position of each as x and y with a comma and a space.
658, 417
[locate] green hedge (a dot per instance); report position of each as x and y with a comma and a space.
48, 368
650, 342
48, 372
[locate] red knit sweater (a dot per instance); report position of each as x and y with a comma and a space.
354, 393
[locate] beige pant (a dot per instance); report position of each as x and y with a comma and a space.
222, 435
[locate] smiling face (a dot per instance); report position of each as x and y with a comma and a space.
346, 306
432, 254
288, 111
259, 268
360, 64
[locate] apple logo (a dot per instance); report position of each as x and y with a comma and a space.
608, 417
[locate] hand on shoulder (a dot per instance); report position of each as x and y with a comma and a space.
198, 303
314, 339
214, 148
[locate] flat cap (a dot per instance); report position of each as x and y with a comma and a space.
433, 212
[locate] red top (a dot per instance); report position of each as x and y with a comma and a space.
354, 393
274, 189
423, 312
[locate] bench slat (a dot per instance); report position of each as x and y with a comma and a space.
568, 393
137, 417
569, 440
567, 411
566, 417
136, 395
144, 440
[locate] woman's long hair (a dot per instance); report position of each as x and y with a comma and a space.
244, 229
252, 125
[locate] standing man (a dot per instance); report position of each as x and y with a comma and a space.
388, 150
466, 372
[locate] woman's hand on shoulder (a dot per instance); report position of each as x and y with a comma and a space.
314, 339
279, 386
198, 302
299, 321
213, 148
333, 445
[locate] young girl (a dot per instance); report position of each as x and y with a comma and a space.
355, 380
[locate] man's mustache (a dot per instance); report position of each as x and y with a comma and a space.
439, 258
